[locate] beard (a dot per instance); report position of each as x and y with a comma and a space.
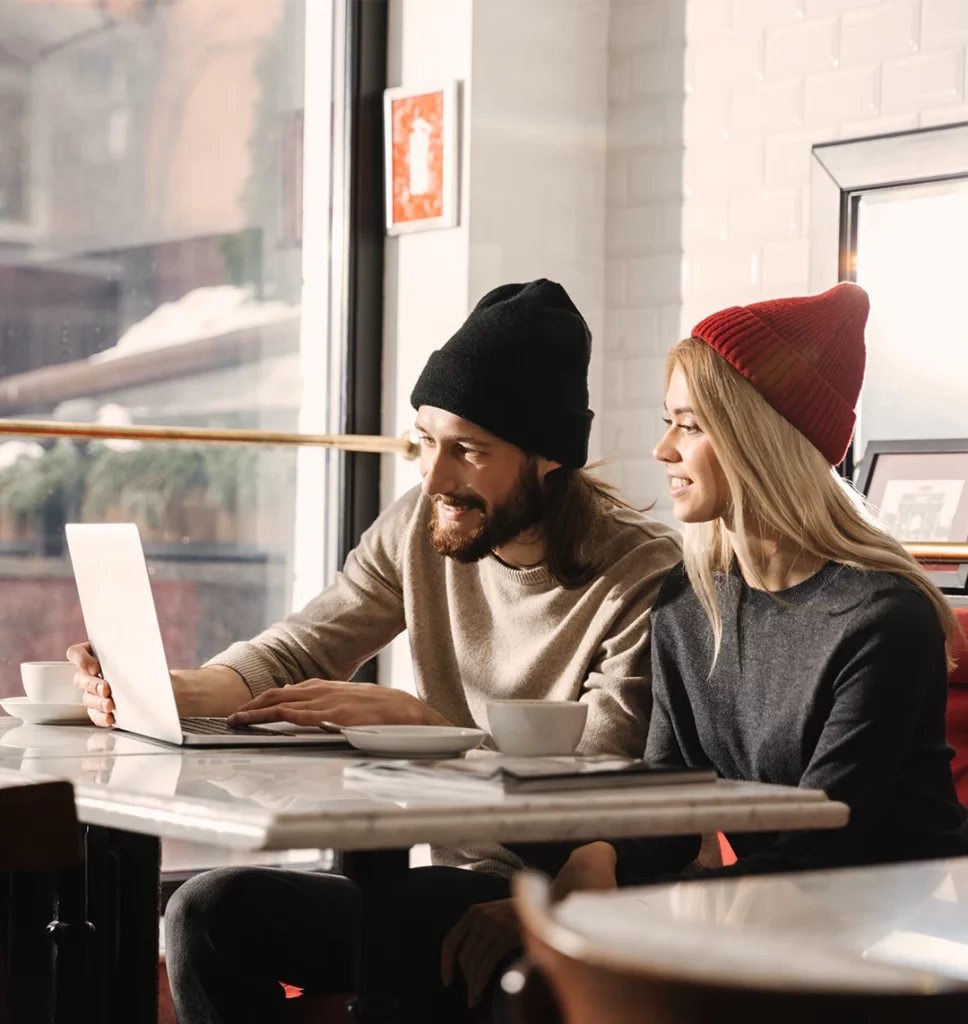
521, 510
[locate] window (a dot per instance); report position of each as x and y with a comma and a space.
19, 208
194, 172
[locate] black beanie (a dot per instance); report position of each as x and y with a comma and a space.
518, 367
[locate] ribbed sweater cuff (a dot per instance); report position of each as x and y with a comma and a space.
250, 665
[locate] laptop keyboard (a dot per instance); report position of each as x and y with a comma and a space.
221, 727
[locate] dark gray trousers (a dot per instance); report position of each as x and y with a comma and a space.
234, 934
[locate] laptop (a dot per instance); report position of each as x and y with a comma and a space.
122, 628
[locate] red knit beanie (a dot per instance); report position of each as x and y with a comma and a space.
804, 355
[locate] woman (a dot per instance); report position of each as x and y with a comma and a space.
797, 643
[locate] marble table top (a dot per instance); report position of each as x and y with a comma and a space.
20, 740
271, 799
900, 928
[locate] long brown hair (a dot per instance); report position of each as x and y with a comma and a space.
576, 500
778, 478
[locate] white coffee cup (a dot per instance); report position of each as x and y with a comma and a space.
50, 682
536, 728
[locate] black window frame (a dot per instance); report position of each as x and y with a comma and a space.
366, 74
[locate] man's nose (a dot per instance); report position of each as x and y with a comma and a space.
438, 475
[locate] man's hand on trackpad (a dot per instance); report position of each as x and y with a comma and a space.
321, 703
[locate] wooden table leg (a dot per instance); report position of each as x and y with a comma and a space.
380, 875
44, 977
26, 905
43, 933
123, 905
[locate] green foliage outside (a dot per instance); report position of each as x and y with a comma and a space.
98, 477
30, 483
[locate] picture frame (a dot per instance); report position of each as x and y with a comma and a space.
421, 159
919, 488
919, 491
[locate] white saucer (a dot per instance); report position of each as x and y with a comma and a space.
413, 740
45, 714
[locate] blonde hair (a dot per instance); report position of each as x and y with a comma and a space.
780, 481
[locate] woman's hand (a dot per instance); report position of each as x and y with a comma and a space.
590, 868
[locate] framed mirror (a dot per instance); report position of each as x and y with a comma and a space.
891, 213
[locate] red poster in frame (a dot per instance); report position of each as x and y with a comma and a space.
421, 158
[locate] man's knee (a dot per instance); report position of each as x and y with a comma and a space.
213, 903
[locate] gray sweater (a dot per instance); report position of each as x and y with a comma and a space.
836, 684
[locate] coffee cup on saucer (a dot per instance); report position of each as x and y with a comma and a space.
50, 682
536, 728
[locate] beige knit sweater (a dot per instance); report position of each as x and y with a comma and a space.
484, 631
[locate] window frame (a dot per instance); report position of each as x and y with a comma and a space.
843, 172
362, 379
30, 228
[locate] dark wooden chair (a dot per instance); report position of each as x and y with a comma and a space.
562, 979
40, 845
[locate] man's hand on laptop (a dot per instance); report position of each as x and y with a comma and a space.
97, 693
320, 702
215, 690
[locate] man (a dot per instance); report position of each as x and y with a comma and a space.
544, 590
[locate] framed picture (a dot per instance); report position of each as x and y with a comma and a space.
420, 142
919, 490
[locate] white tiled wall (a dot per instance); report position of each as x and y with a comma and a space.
532, 185
536, 173
728, 144
644, 222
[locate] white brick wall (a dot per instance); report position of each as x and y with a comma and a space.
729, 144
879, 33
647, 124
944, 22
532, 198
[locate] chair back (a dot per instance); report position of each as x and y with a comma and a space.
958, 676
957, 712
38, 826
